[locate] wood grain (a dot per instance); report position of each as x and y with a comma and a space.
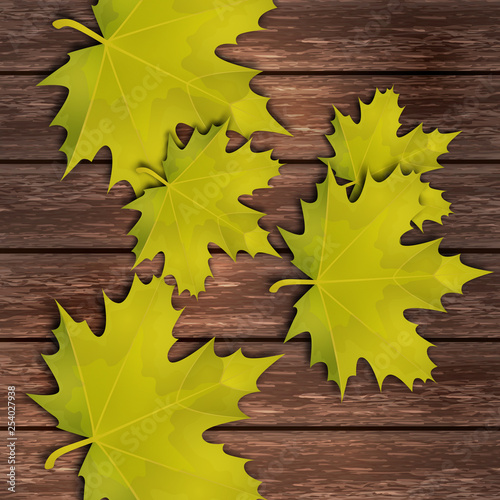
40, 211
237, 303
303, 104
375, 35
466, 392
67, 241
320, 465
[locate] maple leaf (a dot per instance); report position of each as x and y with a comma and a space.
363, 279
155, 67
143, 415
198, 204
373, 145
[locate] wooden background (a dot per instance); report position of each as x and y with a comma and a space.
68, 241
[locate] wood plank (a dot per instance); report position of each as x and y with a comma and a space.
39, 211
237, 303
312, 465
322, 35
302, 103
466, 392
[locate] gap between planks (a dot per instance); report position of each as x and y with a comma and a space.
327, 428
287, 161
260, 340
322, 73
445, 251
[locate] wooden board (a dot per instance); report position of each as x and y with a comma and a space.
303, 104
40, 211
237, 302
315, 465
320, 35
293, 394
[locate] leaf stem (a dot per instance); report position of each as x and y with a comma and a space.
66, 449
69, 23
281, 283
153, 174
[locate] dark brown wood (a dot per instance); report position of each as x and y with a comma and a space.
293, 394
312, 465
303, 104
40, 211
67, 241
237, 303
318, 35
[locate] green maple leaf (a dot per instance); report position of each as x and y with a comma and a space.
373, 145
155, 67
363, 279
198, 204
143, 415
